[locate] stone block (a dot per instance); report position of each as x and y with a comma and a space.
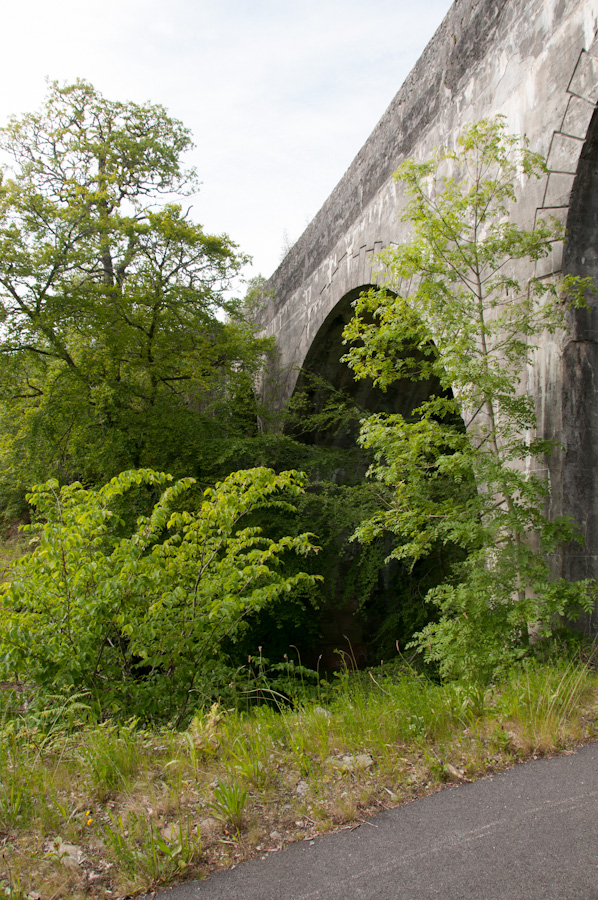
558, 249
547, 213
577, 117
558, 190
584, 82
564, 153
552, 263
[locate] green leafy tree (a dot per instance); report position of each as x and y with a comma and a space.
466, 469
136, 616
113, 348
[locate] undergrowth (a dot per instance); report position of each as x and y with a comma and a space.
91, 809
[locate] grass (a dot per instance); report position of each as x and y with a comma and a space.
104, 810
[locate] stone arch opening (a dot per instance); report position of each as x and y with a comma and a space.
323, 373
573, 471
392, 606
580, 256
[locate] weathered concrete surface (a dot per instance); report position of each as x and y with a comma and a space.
536, 63
529, 834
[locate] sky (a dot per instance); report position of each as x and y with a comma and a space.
280, 96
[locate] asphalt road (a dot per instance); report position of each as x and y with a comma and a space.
527, 834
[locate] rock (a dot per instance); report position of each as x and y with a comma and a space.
302, 789
454, 774
351, 763
70, 855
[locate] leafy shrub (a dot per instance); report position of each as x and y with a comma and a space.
134, 615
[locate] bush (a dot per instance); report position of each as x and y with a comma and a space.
133, 615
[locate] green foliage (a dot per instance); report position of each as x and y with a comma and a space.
144, 855
398, 609
455, 306
114, 353
320, 413
229, 802
286, 683
335, 500
133, 615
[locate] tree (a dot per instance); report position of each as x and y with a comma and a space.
135, 616
466, 469
113, 347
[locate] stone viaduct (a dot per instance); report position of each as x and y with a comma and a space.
535, 62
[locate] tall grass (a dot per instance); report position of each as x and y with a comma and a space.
541, 705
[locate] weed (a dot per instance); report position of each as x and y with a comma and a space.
12, 805
229, 803
201, 737
247, 754
111, 759
11, 886
145, 855
539, 702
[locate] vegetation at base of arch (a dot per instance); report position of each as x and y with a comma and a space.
334, 501
133, 617
389, 593
457, 296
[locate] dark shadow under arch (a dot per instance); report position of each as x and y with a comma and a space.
571, 402
392, 606
323, 373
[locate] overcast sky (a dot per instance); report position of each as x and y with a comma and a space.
279, 95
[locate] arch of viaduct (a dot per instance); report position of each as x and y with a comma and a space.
536, 63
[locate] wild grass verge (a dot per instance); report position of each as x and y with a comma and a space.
105, 810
